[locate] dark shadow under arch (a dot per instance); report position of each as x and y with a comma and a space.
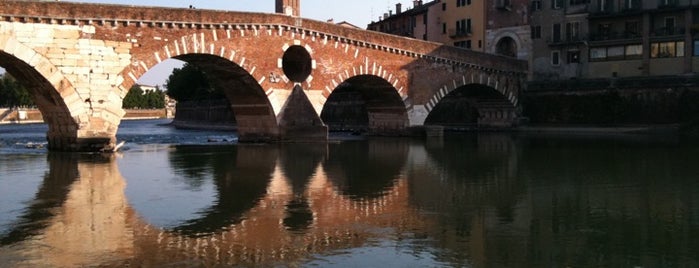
365, 103
470, 106
506, 46
47, 99
251, 108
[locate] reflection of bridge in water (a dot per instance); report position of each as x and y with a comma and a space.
479, 203
306, 203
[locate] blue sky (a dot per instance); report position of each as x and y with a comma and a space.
357, 12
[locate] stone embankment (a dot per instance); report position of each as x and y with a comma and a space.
32, 116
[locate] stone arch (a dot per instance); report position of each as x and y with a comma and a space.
365, 103
498, 81
506, 46
470, 106
61, 106
511, 35
368, 68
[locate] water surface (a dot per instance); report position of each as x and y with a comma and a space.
196, 198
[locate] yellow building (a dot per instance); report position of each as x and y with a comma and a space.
459, 23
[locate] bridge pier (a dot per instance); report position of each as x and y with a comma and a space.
82, 133
253, 128
299, 121
74, 144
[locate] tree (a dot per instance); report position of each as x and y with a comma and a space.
133, 99
155, 99
190, 83
13, 94
137, 98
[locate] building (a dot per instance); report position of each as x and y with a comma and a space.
494, 26
288, 7
507, 30
558, 30
606, 39
409, 23
643, 38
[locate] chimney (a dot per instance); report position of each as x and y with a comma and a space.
417, 3
385, 15
399, 8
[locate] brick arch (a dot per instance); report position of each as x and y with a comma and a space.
187, 45
60, 104
384, 108
499, 82
364, 64
228, 69
507, 33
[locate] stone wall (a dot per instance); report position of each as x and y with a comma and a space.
205, 114
665, 100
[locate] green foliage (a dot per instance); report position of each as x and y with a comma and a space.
190, 83
12, 94
137, 98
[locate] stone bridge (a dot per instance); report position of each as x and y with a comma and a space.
285, 77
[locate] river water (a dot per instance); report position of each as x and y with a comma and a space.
179, 198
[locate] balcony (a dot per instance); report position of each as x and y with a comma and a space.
570, 40
668, 4
668, 31
612, 36
505, 5
457, 33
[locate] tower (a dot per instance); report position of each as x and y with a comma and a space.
288, 7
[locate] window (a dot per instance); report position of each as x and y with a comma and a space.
578, 2
605, 5
536, 32
633, 52
628, 52
598, 54
536, 5
556, 4
631, 4
556, 32
555, 58
444, 28
667, 49
444, 6
463, 27
696, 48
573, 31
573, 56
460, 3
604, 30
633, 29
615, 53
669, 26
463, 44
503, 4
